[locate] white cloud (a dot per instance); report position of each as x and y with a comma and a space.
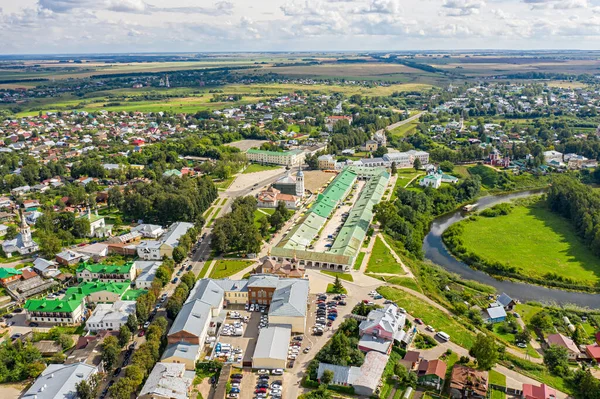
457, 8
132, 6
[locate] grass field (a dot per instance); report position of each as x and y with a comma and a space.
534, 240
342, 276
406, 129
228, 267
404, 177
224, 184
359, 260
205, 268
254, 167
510, 339
497, 379
430, 315
382, 261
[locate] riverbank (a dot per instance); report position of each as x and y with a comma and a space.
525, 242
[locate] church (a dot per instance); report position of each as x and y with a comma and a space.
22, 243
292, 185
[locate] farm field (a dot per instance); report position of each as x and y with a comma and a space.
534, 240
228, 267
430, 315
382, 261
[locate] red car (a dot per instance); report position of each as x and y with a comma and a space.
141, 333
418, 321
261, 390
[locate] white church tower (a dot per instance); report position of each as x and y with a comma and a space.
300, 184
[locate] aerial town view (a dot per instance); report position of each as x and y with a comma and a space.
299, 199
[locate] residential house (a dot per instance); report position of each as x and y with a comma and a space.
565, 342
432, 373
327, 162
538, 392
146, 272
593, 351
550, 156
411, 360
364, 379
46, 268
59, 381
70, 258
466, 382
110, 316
156, 250
9, 274
506, 302
495, 314
149, 230
384, 324
282, 268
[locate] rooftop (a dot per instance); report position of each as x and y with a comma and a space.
273, 343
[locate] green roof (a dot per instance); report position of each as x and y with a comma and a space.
96, 286
273, 153
69, 304
108, 269
6, 272
133, 295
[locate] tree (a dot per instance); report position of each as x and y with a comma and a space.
110, 352
523, 336
179, 254
338, 288
485, 351
65, 341
11, 232
123, 388
132, 323
264, 226
88, 389
417, 164
556, 358
541, 321
394, 168
124, 335
276, 220
189, 279
327, 377
400, 371
50, 245
81, 227
447, 166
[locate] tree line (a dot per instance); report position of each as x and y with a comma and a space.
236, 231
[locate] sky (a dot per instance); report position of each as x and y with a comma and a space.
115, 26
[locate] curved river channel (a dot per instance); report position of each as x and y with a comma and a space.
436, 251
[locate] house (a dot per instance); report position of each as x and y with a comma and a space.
506, 302
168, 381
46, 268
69, 258
100, 292
110, 316
565, 342
182, 353
146, 272
369, 146
327, 162
156, 250
96, 251
385, 323
495, 314
593, 351
365, 379
553, 156
59, 381
282, 268
66, 311
9, 274
411, 360
534, 392
106, 273
432, 373
271, 197
271, 351
466, 382
149, 230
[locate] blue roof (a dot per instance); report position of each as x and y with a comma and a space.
496, 312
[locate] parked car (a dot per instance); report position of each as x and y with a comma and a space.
277, 372
146, 324
418, 321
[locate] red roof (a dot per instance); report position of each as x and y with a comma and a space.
435, 367
598, 337
593, 351
541, 392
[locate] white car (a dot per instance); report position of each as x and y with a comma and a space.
276, 392
277, 372
263, 371
429, 328
147, 324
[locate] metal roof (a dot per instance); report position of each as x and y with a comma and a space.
182, 350
58, 381
273, 343
289, 298
167, 380
191, 318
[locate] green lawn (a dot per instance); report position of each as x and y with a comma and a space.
382, 261
254, 167
342, 276
406, 129
224, 184
205, 268
430, 315
228, 267
404, 282
534, 240
404, 176
330, 289
526, 311
497, 378
359, 260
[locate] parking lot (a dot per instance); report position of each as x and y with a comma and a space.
247, 341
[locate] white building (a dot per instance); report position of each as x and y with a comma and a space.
22, 243
110, 316
168, 381
286, 158
327, 162
146, 272
553, 156
149, 230
59, 381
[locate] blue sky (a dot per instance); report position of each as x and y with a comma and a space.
74, 26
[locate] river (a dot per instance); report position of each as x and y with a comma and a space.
436, 251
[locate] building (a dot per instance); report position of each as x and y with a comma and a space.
327, 162
149, 230
593, 351
369, 146
288, 304
68, 310
534, 392
70, 258
272, 197
495, 314
506, 302
106, 273
59, 381
291, 185
191, 324
167, 381
156, 250
98, 226
565, 342
22, 244
95, 251
384, 324
100, 292
182, 353
432, 373
436, 178
365, 379
271, 350
9, 274
553, 156
110, 316
146, 272
46, 268
283, 268
422, 156
411, 360
286, 158
466, 382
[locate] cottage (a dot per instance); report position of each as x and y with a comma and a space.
565, 342
466, 382
364, 379
46, 268
495, 314
432, 373
534, 392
